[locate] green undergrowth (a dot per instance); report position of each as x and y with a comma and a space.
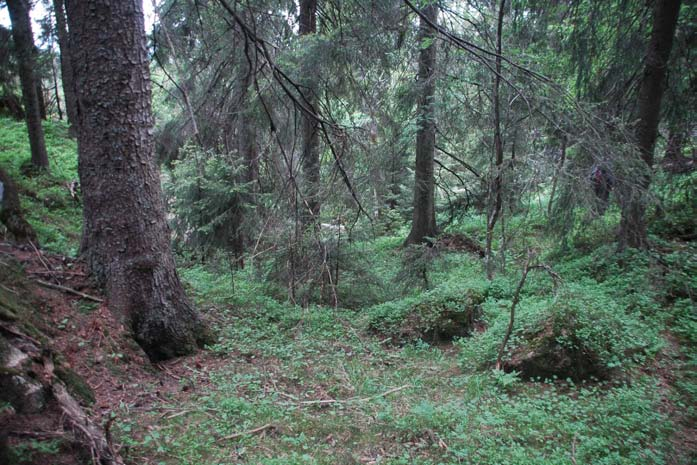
323, 391
46, 200
320, 385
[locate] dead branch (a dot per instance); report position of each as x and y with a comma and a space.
38, 254
69, 291
516, 298
84, 428
354, 399
248, 432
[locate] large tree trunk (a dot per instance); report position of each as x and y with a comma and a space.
11, 211
633, 231
496, 184
310, 127
24, 47
424, 215
66, 65
125, 236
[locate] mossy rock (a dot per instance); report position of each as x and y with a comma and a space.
16, 304
438, 315
25, 394
75, 384
542, 355
13, 301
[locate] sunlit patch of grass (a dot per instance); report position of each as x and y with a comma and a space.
46, 200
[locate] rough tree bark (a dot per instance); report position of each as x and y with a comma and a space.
125, 235
40, 91
496, 184
310, 127
24, 47
11, 210
633, 230
424, 216
66, 65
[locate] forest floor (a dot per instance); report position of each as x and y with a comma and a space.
315, 387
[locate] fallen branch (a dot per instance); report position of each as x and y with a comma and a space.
39, 435
69, 291
52, 272
82, 425
353, 399
19, 334
41, 259
248, 432
9, 290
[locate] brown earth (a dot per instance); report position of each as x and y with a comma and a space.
85, 337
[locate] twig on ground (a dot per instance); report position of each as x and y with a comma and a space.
70, 291
14, 332
37, 434
248, 432
51, 272
9, 290
41, 259
353, 399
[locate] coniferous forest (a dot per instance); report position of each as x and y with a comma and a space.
325, 232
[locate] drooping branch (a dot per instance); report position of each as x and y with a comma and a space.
294, 92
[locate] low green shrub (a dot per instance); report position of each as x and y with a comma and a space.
439, 314
580, 332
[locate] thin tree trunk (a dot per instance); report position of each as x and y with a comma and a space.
633, 228
511, 320
495, 200
557, 173
247, 141
125, 235
55, 89
310, 127
424, 216
11, 211
66, 65
24, 47
247, 150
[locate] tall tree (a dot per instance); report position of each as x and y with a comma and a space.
66, 65
424, 215
496, 184
125, 236
310, 127
24, 48
633, 230
247, 150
